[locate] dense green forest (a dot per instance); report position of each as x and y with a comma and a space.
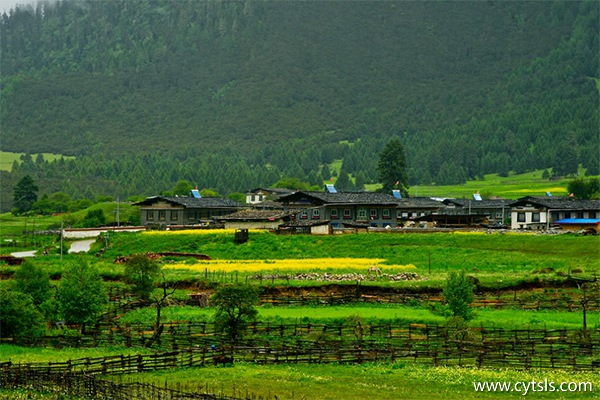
232, 95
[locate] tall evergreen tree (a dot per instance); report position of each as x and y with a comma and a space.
25, 194
393, 168
343, 182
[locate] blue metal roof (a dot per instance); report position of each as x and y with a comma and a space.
579, 221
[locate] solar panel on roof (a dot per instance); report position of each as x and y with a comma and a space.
330, 188
477, 196
196, 193
396, 193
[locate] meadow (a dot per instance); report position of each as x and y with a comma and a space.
497, 261
376, 313
7, 158
513, 186
364, 381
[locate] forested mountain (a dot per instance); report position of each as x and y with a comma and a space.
236, 94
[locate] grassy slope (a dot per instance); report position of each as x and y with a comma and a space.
510, 187
511, 252
506, 318
7, 158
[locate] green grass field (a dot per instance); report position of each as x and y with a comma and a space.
360, 382
7, 158
503, 318
497, 260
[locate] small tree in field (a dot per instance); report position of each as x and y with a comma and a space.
144, 276
33, 281
81, 294
458, 294
235, 307
141, 272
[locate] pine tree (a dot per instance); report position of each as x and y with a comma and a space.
393, 168
25, 194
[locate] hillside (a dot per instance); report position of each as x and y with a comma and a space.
232, 95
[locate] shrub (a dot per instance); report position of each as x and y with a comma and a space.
458, 294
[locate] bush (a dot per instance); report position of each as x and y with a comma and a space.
18, 315
459, 294
32, 280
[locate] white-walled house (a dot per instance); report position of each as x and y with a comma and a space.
538, 212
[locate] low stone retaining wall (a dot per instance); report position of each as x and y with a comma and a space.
83, 233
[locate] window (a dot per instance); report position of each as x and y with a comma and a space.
150, 215
347, 213
303, 215
191, 215
580, 214
173, 215
362, 213
535, 217
162, 215
373, 213
386, 213
334, 214
521, 217
316, 214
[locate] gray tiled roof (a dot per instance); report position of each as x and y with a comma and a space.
342, 198
192, 202
254, 215
419, 202
567, 203
492, 203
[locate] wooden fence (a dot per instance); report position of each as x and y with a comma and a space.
90, 386
344, 342
122, 302
593, 304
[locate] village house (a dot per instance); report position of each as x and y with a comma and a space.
411, 208
255, 219
497, 211
185, 210
261, 195
541, 212
364, 208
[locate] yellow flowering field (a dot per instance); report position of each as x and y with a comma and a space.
311, 264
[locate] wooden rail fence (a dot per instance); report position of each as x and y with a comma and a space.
352, 343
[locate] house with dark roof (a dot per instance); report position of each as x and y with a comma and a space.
540, 212
495, 210
411, 208
185, 210
254, 219
365, 208
261, 195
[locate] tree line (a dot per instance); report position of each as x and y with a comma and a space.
235, 95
